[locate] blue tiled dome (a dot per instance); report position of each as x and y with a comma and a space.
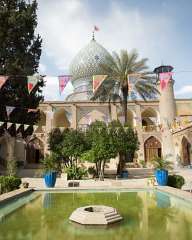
86, 64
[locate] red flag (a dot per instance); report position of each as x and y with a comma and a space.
164, 78
32, 81
97, 81
96, 28
3, 79
63, 80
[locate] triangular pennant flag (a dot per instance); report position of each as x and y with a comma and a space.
26, 126
32, 81
164, 79
63, 80
9, 124
35, 127
17, 126
3, 80
61, 129
9, 110
1, 123
97, 81
32, 110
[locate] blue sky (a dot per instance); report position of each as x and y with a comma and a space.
159, 30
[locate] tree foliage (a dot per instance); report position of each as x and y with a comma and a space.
20, 51
118, 67
68, 145
101, 148
125, 141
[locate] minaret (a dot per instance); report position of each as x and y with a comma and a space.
167, 109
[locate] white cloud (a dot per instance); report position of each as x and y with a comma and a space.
184, 90
42, 68
66, 27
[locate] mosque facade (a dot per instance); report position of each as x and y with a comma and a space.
164, 125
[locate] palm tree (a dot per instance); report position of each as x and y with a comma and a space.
119, 68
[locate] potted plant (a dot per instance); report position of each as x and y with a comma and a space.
161, 166
50, 170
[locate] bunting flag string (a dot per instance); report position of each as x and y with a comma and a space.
97, 81
10, 109
18, 125
63, 80
3, 80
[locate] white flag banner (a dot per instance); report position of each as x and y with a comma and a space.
61, 129
1, 123
26, 126
9, 124
17, 126
9, 110
35, 127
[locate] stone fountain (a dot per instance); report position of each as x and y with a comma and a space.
95, 215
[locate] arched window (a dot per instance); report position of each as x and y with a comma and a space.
149, 119
34, 151
60, 119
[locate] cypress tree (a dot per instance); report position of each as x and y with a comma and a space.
20, 51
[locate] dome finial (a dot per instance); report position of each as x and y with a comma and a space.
94, 29
93, 36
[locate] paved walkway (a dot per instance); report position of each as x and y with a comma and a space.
137, 179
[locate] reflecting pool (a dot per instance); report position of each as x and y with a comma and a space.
147, 215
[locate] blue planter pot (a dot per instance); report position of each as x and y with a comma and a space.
124, 174
161, 177
50, 179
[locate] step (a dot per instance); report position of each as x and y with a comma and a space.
113, 217
115, 220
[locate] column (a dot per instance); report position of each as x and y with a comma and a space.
74, 116
114, 112
141, 155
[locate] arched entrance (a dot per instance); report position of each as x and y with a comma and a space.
152, 148
34, 151
186, 149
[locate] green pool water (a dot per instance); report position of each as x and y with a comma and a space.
148, 215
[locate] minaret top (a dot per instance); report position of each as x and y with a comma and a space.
162, 69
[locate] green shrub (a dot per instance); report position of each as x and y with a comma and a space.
176, 181
9, 183
50, 163
75, 173
92, 171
